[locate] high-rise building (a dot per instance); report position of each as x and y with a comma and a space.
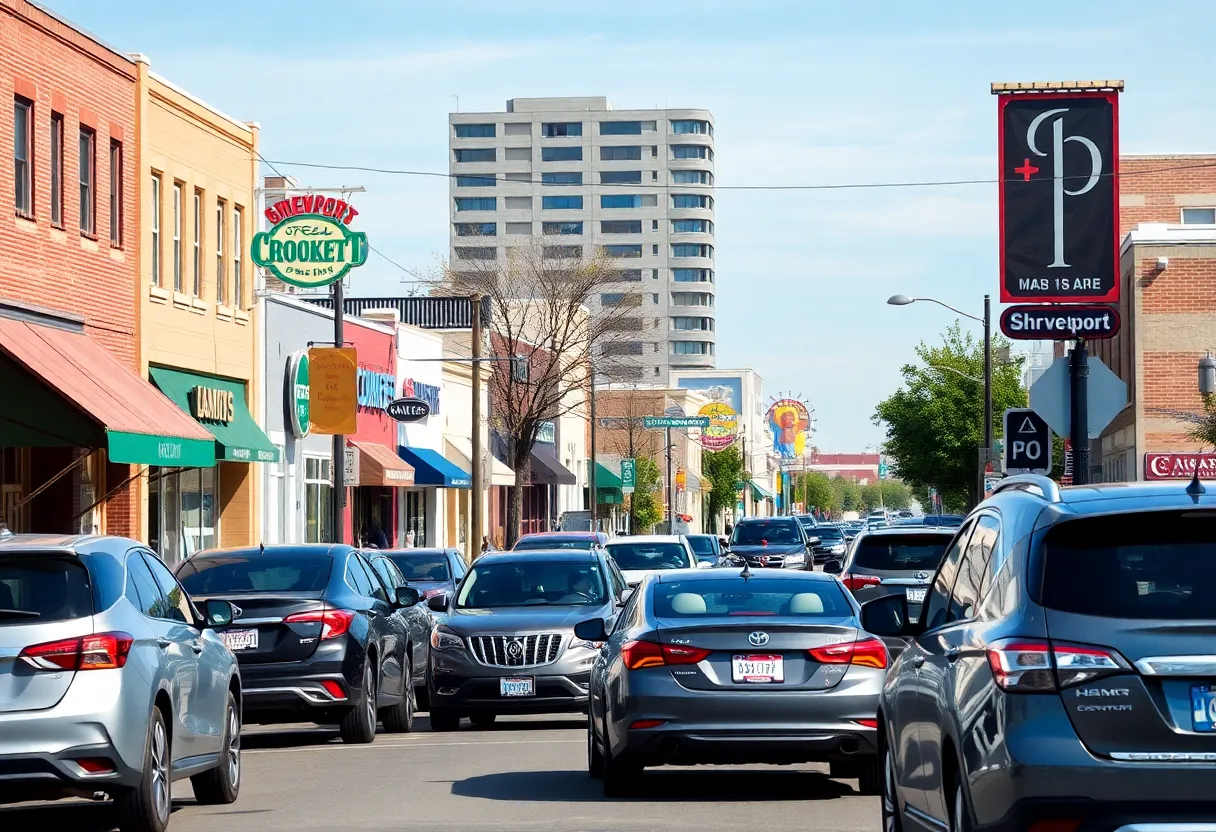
579, 174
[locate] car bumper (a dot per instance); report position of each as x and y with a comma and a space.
483, 694
326, 682
715, 745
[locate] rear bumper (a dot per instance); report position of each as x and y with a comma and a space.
707, 745
275, 692
1123, 816
482, 694
52, 775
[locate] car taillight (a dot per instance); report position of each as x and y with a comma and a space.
1041, 666
640, 654
869, 652
102, 651
431, 593
334, 623
860, 581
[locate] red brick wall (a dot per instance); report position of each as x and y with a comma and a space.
1186, 286
1158, 179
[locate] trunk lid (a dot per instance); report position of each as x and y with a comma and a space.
260, 635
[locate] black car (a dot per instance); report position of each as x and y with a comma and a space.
832, 543
418, 619
707, 547
432, 572
771, 543
317, 636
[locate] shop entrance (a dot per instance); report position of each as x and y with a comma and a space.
374, 517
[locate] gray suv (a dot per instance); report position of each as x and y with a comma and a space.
506, 645
1063, 674
895, 561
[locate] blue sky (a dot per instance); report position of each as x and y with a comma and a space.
802, 93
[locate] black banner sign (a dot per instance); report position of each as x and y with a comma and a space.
1059, 197
1059, 323
408, 410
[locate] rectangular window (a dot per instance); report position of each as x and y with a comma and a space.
238, 271
1199, 216
696, 324
521, 176
221, 272
561, 177
519, 228
474, 131
621, 153
88, 175
692, 275
156, 244
517, 128
484, 181
562, 252
620, 201
692, 177
692, 348
629, 276
622, 348
551, 228
691, 250
178, 277
623, 251
57, 170
476, 229
654, 225
23, 156
572, 203
692, 299
318, 501
561, 129
197, 260
561, 154
612, 298
621, 177
692, 227
116, 193
476, 253
691, 201
476, 154
691, 126
691, 151
476, 203
621, 227
518, 154
620, 128
518, 203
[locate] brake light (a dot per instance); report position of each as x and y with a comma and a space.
869, 652
1042, 666
95, 765
867, 723
860, 581
640, 654
333, 689
643, 724
334, 623
101, 651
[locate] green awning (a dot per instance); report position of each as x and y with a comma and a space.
219, 405
759, 492
605, 478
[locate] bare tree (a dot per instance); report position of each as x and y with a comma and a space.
622, 410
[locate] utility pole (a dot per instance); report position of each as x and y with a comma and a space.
671, 504
476, 493
747, 474
1078, 372
339, 463
591, 472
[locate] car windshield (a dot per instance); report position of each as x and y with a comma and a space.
736, 597
40, 590
827, 533
427, 566
701, 544
539, 583
1138, 566
649, 556
226, 574
755, 534
921, 552
578, 543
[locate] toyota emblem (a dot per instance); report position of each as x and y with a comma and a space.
515, 649
758, 639
922, 576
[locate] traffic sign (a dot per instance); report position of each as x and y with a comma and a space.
629, 476
1027, 442
664, 422
1051, 396
1059, 323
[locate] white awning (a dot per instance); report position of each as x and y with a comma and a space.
460, 451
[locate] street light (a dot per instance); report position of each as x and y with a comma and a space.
904, 300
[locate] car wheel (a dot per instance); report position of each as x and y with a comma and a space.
959, 821
482, 720
399, 719
595, 757
422, 698
358, 725
869, 776
222, 784
891, 821
444, 720
621, 776
146, 807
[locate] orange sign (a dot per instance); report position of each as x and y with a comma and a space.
333, 389
681, 480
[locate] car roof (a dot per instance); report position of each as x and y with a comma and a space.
560, 534
667, 575
279, 550
743, 520
1107, 498
65, 543
533, 555
648, 538
422, 550
890, 531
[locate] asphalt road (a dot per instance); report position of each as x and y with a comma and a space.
522, 775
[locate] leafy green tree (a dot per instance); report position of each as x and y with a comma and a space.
815, 489
895, 494
846, 495
645, 504
871, 496
934, 422
724, 470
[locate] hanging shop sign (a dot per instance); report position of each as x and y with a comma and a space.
408, 410
376, 388
723, 427
310, 243
298, 407
212, 404
333, 390
1060, 323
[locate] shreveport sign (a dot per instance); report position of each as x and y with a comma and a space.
310, 244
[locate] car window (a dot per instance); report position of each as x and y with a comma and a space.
701, 544
538, 542
972, 569
142, 589
37, 590
650, 556
177, 606
919, 552
422, 566
628, 615
988, 529
379, 590
459, 570
357, 577
525, 582
388, 572
937, 605
780, 532
758, 597
226, 573
617, 577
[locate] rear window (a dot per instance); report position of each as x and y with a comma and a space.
701, 545
762, 597
304, 572
1159, 565
826, 533
900, 551
36, 591
422, 567
649, 556
551, 543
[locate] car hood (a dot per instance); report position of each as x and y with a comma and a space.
771, 549
520, 619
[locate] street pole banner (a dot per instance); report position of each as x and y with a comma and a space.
1059, 196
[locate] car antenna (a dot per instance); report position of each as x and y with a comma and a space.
261, 548
1196, 488
747, 570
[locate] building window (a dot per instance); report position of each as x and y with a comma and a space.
476, 253
562, 252
699, 324
57, 170
561, 129
238, 276
115, 193
518, 203
685, 126
551, 228
692, 275
692, 299
692, 227
517, 128
623, 251
88, 175
474, 131
23, 156
476, 203
519, 228
691, 250
178, 278
198, 244
692, 177
476, 229
1199, 216
621, 153
692, 348
561, 154
221, 272
485, 181
621, 177
629, 276
691, 201
156, 244
182, 512
476, 154
520, 176
620, 201
518, 154
318, 500
620, 128
621, 227
571, 203
561, 178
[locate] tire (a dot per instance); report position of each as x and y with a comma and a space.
892, 821
595, 757
960, 821
870, 776
399, 719
621, 776
444, 720
482, 720
358, 725
222, 784
422, 698
146, 808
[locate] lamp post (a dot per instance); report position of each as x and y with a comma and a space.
986, 320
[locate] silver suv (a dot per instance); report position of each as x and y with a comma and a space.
111, 682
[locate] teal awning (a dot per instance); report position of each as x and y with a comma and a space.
219, 405
759, 492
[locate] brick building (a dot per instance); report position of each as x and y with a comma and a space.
1168, 308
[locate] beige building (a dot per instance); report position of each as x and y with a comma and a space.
196, 176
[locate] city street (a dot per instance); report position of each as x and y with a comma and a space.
521, 775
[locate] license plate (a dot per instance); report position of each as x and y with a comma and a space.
1203, 708
757, 669
517, 686
917, 596
240, 639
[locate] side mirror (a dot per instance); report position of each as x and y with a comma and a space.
888, 617
833, 566
704, 564
813, 541
626, 594
438, 603
218, 614
593, 629
407, 596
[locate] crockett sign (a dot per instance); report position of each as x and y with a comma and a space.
310, 244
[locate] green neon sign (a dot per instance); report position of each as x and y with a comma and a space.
311, 244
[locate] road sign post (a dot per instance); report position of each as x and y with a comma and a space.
628, 475
1027, 442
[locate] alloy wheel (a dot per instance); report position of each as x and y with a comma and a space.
234, 748
890, 804
369, 697
958, 819
160, 771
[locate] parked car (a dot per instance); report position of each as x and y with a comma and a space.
506, 644
831, 543
418, 618
722, 667
640, 555
895, 561
808, 521
1061, 675
431, 571
111, 680
706, 547
548, 541
771, 543
317, 635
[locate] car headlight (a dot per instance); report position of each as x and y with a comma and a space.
838, 549
589, 645
445, 640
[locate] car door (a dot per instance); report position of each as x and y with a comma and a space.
417, 619
386, 625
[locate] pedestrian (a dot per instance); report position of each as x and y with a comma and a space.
729, 528
409, 539
485, 545
375, 536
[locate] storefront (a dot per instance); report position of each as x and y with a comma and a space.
549, 478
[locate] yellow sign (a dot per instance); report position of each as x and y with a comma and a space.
681, 480
723, 426
333, 390
212, 404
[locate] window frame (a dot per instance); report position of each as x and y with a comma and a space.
23, 183
117, 215
88, 189
198, 243
155, 230
238, 262
179, 277
221, 268
57, 169
957, 549
1183, 211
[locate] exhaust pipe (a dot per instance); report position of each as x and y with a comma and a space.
849, 746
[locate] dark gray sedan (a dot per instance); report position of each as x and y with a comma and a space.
734, 667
